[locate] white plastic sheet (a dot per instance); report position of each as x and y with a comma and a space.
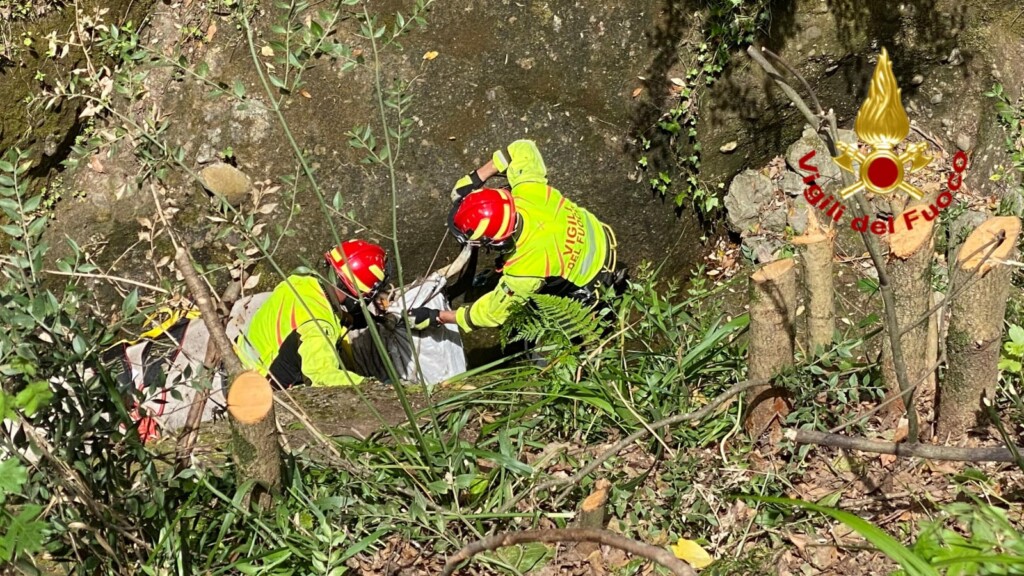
438, 350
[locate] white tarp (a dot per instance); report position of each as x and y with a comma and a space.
439, 349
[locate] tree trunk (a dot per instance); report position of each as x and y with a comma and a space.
976, 324
910, 266
819, 287
256, 449
773, 297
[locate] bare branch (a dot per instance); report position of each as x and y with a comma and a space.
653, 553
912, 449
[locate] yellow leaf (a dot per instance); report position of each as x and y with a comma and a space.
430, 55
691, 553
267, 51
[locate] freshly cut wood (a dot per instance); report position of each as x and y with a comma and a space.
910, 273
250, 398
592, 514
773, 301
976, 324
816, 248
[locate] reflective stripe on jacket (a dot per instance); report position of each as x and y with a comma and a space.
559, 239
299, 305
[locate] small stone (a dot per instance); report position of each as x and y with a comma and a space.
729, 147
946, 122
227, 181
937, 98
792, 184
749, 193
775, 219
954, 58
797, 216
963, 142
917, 80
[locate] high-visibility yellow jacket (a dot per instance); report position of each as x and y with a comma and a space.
559, 240
294, 334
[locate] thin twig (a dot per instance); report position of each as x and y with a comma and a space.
908, 449
621, 444
653, 553
110, 278
793, 96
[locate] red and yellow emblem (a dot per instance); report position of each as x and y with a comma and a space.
882, 122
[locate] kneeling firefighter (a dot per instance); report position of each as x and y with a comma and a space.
296, 333
547, 243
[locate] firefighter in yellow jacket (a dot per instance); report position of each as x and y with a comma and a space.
295, 334
548, 244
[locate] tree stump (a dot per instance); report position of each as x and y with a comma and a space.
976, 324
773, 298
910, 274
816, 252
592, 515
256, 449
254, 432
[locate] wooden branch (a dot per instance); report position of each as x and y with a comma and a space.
771, 342
653, 553
913, 449
642, 432
189, 433
208, 311
795, 98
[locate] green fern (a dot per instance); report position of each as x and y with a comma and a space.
552, 319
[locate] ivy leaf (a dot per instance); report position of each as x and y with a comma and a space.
33, 397
1017, 334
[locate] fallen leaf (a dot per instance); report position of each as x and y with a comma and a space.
729, 147
637, 92
145, 222
430, 55
678, 82
267, 51
211, 31
357, 52
692, 553
95, 165
304, 93
251, 282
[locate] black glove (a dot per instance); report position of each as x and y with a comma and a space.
465, 185
422, 318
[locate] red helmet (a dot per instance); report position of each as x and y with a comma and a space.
486, 215
361, 267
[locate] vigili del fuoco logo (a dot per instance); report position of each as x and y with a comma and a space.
882, 123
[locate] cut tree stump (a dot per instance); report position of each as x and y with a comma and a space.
816, 252
256, 449
592, 515
910, 274
976, 325
773, 301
